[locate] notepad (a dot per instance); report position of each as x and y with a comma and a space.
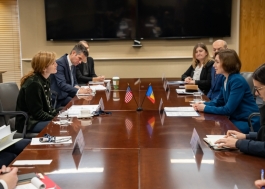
211, 139
6, 137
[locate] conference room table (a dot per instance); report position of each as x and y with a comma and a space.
130, 149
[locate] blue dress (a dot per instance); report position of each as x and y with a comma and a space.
237, 102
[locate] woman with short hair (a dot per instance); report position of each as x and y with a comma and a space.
235, 100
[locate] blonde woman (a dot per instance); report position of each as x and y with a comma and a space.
199, 73
35, 96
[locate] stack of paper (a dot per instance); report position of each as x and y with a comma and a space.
6, 137
183, 91
175, 82
95, 87
181, 111
75, 110
211, 139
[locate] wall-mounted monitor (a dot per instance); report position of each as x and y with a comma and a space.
137, 19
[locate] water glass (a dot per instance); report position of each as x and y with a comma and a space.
197, 97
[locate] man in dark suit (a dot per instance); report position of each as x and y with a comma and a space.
85, 72
64, 81
216, 82
8, 177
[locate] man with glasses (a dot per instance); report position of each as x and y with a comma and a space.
216, 82
85, 71
64, 81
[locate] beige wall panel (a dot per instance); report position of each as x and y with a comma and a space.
155, 57
252, 34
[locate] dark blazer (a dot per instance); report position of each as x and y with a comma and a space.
61, 81
205, 78
34, 98
255, 143
237, 102
216, 85
85, 71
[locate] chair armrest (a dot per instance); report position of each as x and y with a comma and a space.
249, 120
15, 113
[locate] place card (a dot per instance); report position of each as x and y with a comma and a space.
195, 141
79, 143
101, 104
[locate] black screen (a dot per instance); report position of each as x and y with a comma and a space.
90, 19
137, 19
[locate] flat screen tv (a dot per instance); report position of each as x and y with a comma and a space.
136, 19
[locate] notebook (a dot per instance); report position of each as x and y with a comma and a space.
211, 139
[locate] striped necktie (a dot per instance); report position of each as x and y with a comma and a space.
72, 75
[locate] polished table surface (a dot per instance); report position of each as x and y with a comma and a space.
123, 150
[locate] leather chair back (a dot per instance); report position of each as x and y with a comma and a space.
248, 78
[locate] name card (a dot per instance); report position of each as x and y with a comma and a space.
79, 143
195, 141
101, 104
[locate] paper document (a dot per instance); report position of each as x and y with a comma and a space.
182, 114
75, 110
6, 137
179, 109
175, 82
96, 82
183, 91
95, 87
33, 162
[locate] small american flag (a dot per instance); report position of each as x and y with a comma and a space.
128, 95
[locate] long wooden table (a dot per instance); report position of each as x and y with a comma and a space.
122, 150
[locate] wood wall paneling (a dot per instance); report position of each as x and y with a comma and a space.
252, 34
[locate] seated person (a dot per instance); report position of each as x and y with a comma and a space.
85, 72
199, 73
252, 143
34, 96
8, 177
235, 99
9, 154
216, 83
64, 81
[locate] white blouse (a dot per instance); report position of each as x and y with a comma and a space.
197, 73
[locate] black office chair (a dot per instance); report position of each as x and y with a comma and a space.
248, 78
8, 99
262, 118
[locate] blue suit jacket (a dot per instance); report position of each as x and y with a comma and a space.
61, 81
237, 102
216, 85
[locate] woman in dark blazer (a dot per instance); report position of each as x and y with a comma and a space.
252, 143
199, 73
34, 97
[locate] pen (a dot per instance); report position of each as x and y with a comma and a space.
234, 136
262, 177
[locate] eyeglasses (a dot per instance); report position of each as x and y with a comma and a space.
49, 138
258, 89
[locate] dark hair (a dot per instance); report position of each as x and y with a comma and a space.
230, 60
79, 48
259, 74
195, 62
